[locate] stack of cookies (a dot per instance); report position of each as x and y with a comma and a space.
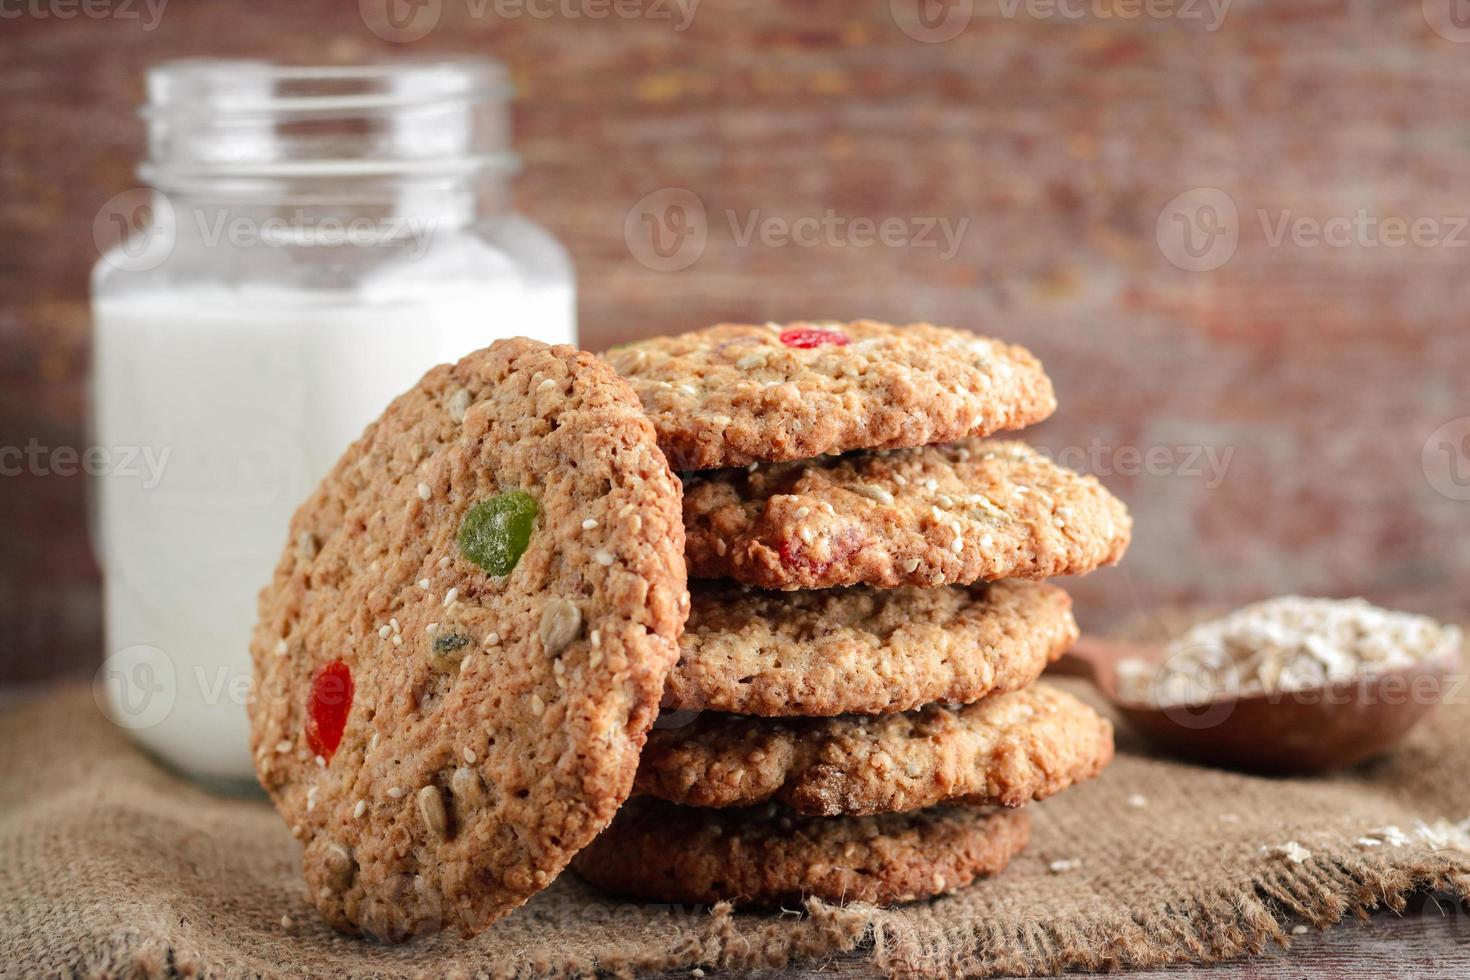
462, 653
855, 713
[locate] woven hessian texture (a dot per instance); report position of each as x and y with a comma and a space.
110, 865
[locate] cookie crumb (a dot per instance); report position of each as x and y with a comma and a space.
1065, 865
1298, 930
1290, 851
1137, 801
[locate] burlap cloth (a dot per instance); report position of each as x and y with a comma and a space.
109, 865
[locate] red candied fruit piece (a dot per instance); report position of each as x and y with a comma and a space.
331, 700
844, 546
810, 337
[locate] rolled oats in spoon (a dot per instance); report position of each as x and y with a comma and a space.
1282, 645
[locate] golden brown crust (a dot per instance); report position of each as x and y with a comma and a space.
863, 650
734, 394
496, 720
1005, 750
977, 510
665, 853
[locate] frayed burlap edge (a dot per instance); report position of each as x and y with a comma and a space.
1208, 927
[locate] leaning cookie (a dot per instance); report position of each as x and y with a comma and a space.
1005, 750
938, 515
465, 641
863, 650
763, 856
734, 394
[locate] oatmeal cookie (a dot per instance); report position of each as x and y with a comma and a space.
734, 394
863, 650
764, 856
938, 515
1005, 750
466, 638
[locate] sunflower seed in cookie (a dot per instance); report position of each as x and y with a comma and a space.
1005, 750
977, 510
734, 394
765, 856
864, 650
451, 735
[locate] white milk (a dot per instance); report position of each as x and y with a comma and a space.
232, 408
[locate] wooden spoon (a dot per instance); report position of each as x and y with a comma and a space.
1328, 727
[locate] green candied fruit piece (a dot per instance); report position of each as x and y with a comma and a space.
495, 532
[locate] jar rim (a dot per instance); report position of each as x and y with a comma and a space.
232, 86
216, 119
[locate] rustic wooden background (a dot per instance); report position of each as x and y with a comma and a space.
1060, 139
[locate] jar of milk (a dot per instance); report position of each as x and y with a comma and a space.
311, 241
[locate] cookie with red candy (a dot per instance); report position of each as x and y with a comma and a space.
972, 511
735, 394
464, 644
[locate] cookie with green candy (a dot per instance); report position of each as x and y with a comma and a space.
464, 643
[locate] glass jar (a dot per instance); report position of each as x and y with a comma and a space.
312, 241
